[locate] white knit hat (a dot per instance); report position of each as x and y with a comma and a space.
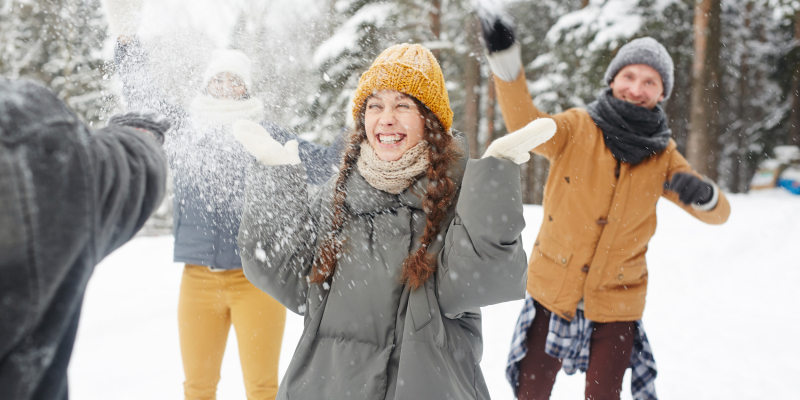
233, 61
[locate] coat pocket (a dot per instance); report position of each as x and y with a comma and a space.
626, 274
553, 250
548, 267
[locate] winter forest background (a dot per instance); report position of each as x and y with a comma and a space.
737, 62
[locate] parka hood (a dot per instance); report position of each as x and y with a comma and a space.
22, 118
42, 145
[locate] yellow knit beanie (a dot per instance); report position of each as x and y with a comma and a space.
410, 69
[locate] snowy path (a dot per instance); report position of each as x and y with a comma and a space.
717, 314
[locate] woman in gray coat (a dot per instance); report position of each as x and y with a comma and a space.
393, 258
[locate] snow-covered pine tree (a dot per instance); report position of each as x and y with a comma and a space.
787, 119
782, 126
749, 55
58, 43
359, 31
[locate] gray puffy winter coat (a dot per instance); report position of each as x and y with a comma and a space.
208, 168
368, 336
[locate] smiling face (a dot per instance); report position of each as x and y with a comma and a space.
226, 85
393, 124
638, 84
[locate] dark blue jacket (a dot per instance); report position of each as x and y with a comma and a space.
68, 198
208, 168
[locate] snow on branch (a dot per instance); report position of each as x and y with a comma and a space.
609, 21
346, 37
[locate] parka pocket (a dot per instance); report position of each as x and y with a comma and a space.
553, 250
548, 267
628, 273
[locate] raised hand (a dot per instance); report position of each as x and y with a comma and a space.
258, 142
498, 30
503, 52
516, 146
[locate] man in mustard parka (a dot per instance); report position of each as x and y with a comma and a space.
609, 164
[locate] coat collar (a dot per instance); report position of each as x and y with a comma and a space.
362, 198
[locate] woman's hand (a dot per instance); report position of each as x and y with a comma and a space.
257, 141
123, 16
516, 145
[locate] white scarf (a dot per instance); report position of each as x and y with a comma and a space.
223, 111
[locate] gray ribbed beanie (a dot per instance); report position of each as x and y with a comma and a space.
646, 51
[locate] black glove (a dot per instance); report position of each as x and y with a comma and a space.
690, 189
498, 30
148, 122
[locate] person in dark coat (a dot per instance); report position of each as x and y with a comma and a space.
68, 198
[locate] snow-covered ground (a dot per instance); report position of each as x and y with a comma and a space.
718, 313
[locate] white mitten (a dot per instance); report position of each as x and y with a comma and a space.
257, 141
516, 145
123, 16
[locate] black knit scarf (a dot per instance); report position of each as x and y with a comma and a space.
632, 133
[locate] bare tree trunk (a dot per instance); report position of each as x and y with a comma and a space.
472, 82
436, 23
744, 92
534, 176
678, 107
539, 168
531, 182
794, 126
491, 104
703, 142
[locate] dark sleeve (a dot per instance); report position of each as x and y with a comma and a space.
321, 162
130, 178
139, 89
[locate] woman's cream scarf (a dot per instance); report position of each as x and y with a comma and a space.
393, 176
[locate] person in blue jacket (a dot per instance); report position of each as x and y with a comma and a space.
208, 169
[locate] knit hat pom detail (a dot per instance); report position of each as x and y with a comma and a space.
411, 69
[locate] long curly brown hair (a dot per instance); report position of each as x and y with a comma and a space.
443, 154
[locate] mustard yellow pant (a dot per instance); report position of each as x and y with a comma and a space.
209, 302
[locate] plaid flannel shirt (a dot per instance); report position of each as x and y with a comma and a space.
570, 341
